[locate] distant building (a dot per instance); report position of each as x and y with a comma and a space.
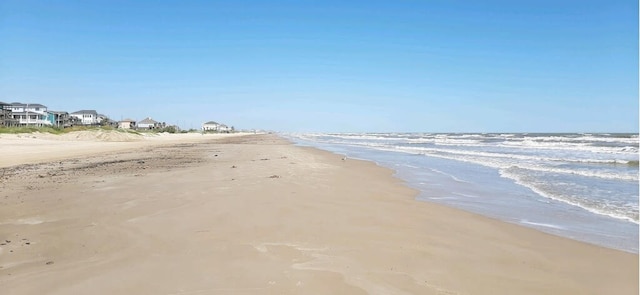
6, 117
87, 117
127, 124
149, 123
28, 114
104, 120
74, 121
60, 119
213, 126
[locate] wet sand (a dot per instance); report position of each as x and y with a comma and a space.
254, 214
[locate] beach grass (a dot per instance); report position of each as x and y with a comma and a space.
56, 130
20, 130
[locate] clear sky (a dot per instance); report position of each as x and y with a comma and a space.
336, 66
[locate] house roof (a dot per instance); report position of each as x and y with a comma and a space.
33, 105
211, 123
148, 120
80, 112
128, 120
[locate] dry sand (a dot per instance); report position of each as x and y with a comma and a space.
38, 147
254, 214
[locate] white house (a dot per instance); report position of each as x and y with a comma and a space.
86, 117
29, 114
216, 127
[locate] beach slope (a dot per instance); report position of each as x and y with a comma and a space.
255, 214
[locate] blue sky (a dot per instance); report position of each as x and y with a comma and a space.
336, 66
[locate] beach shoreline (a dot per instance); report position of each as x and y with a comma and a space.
255, 214
514, 177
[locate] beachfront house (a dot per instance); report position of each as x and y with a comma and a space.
127, 124
60, 119
87, 117
210, 126
104, 120
6, 117
149, 123
29, 114
3, 113
213, 126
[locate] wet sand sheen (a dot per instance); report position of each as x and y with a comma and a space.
257, 215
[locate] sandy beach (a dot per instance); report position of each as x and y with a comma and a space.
254, 214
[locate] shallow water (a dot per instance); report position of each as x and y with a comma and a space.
581, 186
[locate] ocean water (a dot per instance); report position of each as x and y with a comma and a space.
581, 186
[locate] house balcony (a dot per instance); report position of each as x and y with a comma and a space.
34, 122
